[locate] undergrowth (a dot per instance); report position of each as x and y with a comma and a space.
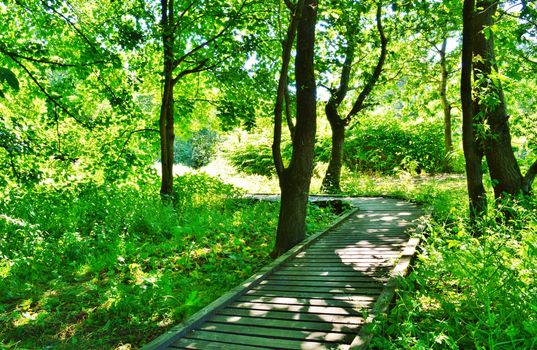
110, 266
465, 291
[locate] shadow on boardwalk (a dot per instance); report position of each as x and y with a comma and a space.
318, 297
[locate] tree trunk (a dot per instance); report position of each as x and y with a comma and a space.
331, 183
503, 166
295, 180
166, 120
472, 150
448, 141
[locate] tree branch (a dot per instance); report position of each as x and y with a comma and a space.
288, 114
290, 5
282, 83
359, 104
132, 132
49, 62
52, 99
178, 61
75, 28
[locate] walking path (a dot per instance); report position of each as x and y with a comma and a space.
320, 295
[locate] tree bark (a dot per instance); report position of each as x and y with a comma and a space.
331, 180
448, 140
503, 166
166, 121
295, 180
472, 150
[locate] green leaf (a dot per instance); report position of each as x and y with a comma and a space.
9, 77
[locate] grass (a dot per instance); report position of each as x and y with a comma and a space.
112, 267
464, 292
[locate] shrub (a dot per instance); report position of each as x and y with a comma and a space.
197, 151
467, 292
389, 146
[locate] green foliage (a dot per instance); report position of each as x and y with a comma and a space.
482, 289
255, 157
99, 266
7, 76
388, 146
198, 150
463, 292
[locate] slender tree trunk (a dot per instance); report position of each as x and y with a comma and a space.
503, 166
166, 120
472, 149
331, 181
295, 180
448, 141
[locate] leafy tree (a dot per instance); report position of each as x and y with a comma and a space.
296, 177
348, 22
485, 124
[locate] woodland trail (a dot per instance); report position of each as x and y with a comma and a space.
320, 295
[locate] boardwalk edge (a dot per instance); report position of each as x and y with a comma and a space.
381, 306
176, 332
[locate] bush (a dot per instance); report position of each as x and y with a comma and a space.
197, 151
389, 146
467, 292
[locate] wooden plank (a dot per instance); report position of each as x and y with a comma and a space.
346, 284
200, 344
321, 326
312, 295
378, 272
330, 310
322, 279
348, 257
337, 267
335, 290
288, 344
341, 260
335, 244
342, 320
329, 279
303, 301
277, 332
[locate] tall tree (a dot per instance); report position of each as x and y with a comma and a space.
338, 123
485, 119
473, 151
296, 177
187, 49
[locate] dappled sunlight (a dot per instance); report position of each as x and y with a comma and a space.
319, 298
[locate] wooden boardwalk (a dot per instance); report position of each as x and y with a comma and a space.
317, 296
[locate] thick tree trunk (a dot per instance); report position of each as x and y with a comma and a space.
295, 180
448, 141
503, 166
472, 149
166, 120
331, 183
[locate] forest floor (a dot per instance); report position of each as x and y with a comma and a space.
110, 267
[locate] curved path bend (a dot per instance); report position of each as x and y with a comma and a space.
322, 294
